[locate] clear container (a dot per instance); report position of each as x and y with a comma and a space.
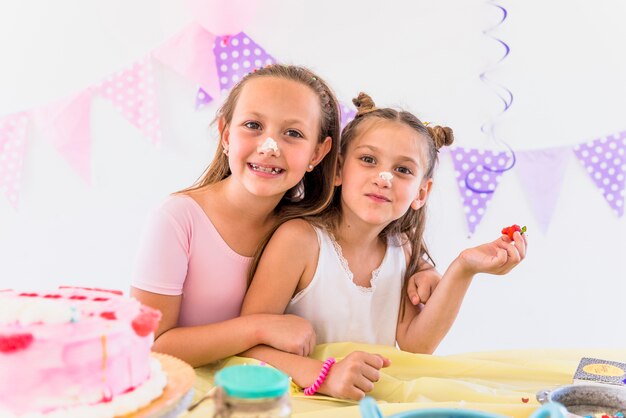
252, 392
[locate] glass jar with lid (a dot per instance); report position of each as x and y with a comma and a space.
249, 391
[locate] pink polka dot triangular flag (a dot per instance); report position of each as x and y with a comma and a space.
605, 162
236, 56
478, 173
67, 126
132, 92
12, 148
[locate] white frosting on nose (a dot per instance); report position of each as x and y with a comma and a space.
385, 175
268, 145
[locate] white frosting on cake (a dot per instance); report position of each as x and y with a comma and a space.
26, 311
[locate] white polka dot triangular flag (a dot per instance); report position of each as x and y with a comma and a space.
133, 93
12, 148
478, 173
67, 126
605, 161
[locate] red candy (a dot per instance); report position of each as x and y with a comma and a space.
15, 342
108, 315
146, 322
510, 230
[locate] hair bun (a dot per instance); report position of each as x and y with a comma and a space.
364, 104
442, 135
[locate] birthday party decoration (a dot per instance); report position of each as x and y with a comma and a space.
67, 126
605, 163
478, 172
541, 173
190, 54
12, 147
132, 91
347, 114
504, 94
236, 56
478, 175
216, 63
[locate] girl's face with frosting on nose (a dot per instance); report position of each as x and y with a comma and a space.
273, 136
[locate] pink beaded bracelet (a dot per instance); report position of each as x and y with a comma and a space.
310, 391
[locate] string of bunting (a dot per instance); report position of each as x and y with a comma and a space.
215, 63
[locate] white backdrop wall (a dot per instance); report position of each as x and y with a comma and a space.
566, 69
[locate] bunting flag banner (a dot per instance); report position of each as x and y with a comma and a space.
202, 98
236, 56
133, 94
605, 163
478, 175
347, 114
12, 148
541, 173
190, 53
67, 126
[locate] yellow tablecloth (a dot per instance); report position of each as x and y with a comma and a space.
495, 381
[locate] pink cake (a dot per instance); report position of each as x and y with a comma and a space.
76, 352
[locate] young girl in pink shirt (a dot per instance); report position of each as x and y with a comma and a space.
275, 128
347, 269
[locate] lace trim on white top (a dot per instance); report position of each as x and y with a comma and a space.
346, 267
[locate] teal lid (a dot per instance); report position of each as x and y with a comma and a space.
251, 382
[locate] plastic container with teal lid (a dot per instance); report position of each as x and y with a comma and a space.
249, 391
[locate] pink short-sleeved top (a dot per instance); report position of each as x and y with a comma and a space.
183, 253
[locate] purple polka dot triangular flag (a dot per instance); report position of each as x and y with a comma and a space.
605, 161
202, 98
12, 149
478, 173
236, 56
347, 114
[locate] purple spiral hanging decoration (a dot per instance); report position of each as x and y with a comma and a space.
506, 97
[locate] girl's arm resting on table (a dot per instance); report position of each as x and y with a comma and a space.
421, 330
203, 344
349, 378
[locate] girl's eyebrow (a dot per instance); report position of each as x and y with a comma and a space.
400, 158
287, 121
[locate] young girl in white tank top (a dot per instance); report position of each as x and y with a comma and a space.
346, 269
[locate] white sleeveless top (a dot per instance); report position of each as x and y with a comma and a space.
340, 310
